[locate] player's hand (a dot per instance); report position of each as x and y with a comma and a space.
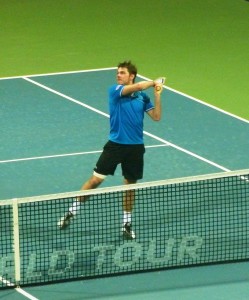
158, 88
159, 80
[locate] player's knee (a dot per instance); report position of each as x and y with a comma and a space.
129, 181
95, 181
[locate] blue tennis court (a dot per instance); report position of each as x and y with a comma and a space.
53, 129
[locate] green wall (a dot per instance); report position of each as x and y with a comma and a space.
201, 46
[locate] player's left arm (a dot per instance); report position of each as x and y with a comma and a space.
156, 112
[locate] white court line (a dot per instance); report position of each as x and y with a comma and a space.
66, 97
18, 289
8, 283
24, 293
65, 155
145, 132
142, 77
48, 156
58, 73
202, 102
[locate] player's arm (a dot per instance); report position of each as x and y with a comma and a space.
155, 113
139, 86
142, 85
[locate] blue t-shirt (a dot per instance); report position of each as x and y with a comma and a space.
126, 115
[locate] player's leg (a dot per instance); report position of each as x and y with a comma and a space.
93, 182
106, 165
128, 203
132, 169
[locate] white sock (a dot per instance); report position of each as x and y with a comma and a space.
127, 217
75, 207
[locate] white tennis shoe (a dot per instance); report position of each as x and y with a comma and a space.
65, 221
128, 233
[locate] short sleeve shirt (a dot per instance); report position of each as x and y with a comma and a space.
127, 115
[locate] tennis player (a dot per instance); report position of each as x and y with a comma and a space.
127, 105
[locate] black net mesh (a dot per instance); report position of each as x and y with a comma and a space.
181, 223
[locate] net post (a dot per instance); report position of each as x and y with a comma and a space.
16, 242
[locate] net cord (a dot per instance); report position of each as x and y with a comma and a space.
242, 174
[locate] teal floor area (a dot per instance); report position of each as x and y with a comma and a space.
60, 123
217, 282
53, 133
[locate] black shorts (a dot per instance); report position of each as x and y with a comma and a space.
131, 158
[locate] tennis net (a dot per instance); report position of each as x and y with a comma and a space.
178, 223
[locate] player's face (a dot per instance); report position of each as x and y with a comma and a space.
124, 77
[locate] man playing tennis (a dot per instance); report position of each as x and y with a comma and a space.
127, 105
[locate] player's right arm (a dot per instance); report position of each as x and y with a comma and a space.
139, 86
142, 85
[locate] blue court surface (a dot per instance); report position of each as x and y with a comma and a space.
53, 128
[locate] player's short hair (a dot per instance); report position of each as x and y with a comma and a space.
132, 69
